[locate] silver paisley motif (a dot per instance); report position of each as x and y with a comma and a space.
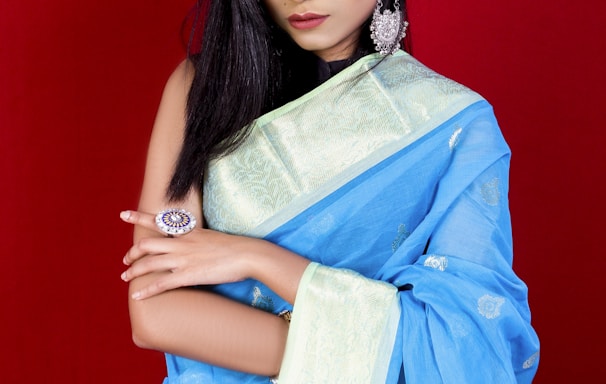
454, 139
261, 301
403, 234
531, 361
490, 192
436, 262
490, 306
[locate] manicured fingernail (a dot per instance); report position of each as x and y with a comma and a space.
125, 215
123, 276
136, 296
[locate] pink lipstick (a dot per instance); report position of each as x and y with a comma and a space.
306, 21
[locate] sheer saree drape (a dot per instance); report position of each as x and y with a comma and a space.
401, 175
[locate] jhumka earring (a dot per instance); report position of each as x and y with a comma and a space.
387, 28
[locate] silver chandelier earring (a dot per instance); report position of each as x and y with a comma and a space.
387, 28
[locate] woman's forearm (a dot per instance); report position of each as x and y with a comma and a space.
202, 325
207, 327
204, 257
278, 268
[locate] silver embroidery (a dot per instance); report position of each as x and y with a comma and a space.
436, 262
271, 176
189, 376
454, 139
402, 235
490, 192
323, 225
459, 326
262, 302
531, 360
490, 306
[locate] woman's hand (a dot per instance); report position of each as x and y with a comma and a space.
200, 257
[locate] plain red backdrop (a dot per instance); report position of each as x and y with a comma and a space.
79, 85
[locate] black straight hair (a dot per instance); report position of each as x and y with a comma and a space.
244, 66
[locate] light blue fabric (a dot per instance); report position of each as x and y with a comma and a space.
450, 206
432, 219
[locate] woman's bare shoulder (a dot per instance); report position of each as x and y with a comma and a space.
171, 112
180, 80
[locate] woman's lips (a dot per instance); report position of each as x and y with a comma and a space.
306, 20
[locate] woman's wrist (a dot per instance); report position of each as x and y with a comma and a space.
277, 267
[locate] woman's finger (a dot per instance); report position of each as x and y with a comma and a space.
150, 264
164, 283
143, 219
148, 246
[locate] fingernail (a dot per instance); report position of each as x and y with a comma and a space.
124, 261
136, 296
123, 276
125, 215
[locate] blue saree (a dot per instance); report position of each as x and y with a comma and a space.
393, 180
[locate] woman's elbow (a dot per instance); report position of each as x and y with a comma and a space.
141, 335
143, 328
141, 341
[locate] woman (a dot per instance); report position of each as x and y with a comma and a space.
363, 188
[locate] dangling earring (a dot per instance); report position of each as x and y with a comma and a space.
387, 29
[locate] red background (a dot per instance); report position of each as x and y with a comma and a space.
79, 85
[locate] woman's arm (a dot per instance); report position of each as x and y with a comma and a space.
204, 257
210, 328
199, 324
193, 323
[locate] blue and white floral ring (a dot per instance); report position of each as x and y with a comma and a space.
175, 221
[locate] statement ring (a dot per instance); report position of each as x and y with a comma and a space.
175, 221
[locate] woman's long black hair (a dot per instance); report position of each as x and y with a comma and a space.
244, 66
